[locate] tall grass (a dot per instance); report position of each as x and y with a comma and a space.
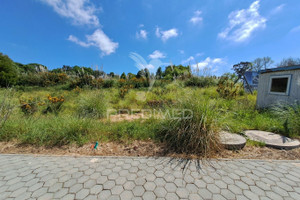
48, 131
6, 106
195, 132
93, 105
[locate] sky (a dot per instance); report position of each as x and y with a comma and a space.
126, 35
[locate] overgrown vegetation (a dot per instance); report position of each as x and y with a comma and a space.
290, 115
70, 105
194, 129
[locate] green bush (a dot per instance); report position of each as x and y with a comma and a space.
8, 71
108, 83
290, 115
201, 81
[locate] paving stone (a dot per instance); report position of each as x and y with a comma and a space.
40, 192
104, 194
227, 194
89, 184
205, 194
82, 194
129, 185
140, 181
18, 192
106, 178
170, 187
192, 188
117, 190
256, 190
69, 197
55, 187
108, 185
149, 195
96, 189
160, 192
172, 196
250, 195
126, 195
76, 188
182, 193
62, 192
213, 188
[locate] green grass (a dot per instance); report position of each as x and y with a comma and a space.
81, 118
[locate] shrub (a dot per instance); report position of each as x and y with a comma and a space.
227, 89
29, 106
54, 104
139, 82
290, 115
192, 133
8, 72
93, 106
201, 81
109, 83
124, 90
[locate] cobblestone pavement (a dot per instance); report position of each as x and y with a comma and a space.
59, 177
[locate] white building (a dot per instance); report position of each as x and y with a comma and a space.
278, 85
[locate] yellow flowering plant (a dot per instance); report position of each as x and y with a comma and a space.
54, 104
29, 106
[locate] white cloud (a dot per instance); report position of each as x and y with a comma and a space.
199, 54
156, 55
278, 9
98, 39
142, 34
77, 41
209, 63
181, 51
188, 60
295, 29
165, 35
196, 19
242, 23
82, 12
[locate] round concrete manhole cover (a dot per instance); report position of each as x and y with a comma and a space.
232, 141
272, 140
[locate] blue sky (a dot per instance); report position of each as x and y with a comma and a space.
210, 34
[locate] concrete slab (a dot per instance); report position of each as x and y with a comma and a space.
232, 141
272, 140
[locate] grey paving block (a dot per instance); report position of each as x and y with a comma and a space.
145, 178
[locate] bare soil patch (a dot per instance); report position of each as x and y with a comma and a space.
145, 148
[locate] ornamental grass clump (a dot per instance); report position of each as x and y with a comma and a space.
195, 131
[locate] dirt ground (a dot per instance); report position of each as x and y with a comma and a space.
145, 148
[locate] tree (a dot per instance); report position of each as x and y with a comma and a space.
140, 74
8, 71
159, 73
286, 62
123, 76
262, 63
111, 74
130, 75
240, 69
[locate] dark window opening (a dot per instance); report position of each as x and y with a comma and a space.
279, 85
